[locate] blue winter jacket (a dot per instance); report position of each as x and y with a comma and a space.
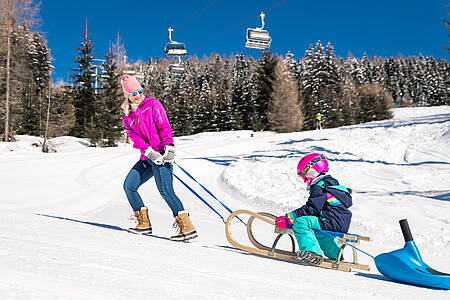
328, 201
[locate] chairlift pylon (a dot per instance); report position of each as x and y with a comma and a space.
258, 38
174, 48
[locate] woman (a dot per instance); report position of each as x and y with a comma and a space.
147, 125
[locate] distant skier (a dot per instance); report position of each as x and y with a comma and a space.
319, 124
147, 125
326, 209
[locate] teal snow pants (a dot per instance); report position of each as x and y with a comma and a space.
307, 240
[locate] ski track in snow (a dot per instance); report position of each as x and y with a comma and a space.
63, 216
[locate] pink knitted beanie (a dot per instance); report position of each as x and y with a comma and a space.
129, 85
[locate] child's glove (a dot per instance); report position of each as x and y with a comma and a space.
286, 220
281, 222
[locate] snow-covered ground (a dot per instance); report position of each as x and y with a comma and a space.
62, 215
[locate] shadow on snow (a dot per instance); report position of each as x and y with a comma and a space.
107, 226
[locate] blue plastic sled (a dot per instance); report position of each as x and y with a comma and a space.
406, 265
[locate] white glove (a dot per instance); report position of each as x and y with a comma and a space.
169, 154
156, 157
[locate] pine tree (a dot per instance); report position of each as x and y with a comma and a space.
219, 76
265, 75
62, 111
183, 110
377, 70
375, 103
27, 110
392, 67
366, 69
330, 95
84, 94
320, 85
404, 83
307, 88
437, 91
443, 89
417, 80
242, 91
39, 65
204, 107
355, 69
108, 119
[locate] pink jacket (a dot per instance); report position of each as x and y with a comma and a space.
148, 126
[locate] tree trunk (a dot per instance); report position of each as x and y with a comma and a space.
44, 146
8, 56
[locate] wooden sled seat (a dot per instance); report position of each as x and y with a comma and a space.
344, 239
349, 238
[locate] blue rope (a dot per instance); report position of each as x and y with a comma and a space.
333, 236
204, 188
188, 187
338, 234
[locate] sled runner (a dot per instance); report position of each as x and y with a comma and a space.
273, 252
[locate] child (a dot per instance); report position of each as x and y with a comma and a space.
326, 209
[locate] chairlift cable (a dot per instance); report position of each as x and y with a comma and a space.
197, 14
236, 26
182, 25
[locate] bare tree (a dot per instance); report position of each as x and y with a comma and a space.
24, 12
285, 114
44, 146
119, 52
8, 63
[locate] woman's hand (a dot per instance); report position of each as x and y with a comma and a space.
169, 154
155, 157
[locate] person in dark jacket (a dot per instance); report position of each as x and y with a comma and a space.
327, 208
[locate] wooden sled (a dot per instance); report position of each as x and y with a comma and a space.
273, 252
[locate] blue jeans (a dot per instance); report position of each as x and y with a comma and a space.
142, 171
307, 240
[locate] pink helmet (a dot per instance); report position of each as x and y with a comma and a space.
311, 166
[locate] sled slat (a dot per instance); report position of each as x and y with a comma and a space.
349, 238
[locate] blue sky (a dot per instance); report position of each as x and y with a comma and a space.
383, 28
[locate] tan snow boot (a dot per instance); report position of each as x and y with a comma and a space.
144, 226
186, 230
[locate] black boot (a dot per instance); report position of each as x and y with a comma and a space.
309, 258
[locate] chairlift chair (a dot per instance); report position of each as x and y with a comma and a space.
258, 38
174, 48
176, 71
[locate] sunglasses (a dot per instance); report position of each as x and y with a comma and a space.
136, 92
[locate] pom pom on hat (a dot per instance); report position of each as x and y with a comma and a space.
129, 85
